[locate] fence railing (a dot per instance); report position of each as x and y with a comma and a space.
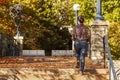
111, 64
8, 46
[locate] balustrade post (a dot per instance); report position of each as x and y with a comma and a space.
98, 31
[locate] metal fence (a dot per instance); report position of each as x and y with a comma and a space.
111, 64
8, 46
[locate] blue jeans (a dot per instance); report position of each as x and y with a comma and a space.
81, 48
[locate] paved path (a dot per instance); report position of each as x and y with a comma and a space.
48, 68
49, 74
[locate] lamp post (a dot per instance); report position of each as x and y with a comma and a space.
17, 8
76, 7
15, 13
99, 10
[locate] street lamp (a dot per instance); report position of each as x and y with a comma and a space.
15, 13
17, 8
76, 7
99, 10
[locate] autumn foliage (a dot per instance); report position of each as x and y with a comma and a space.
43, 21
3, 1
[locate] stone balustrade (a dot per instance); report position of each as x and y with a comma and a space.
42, 53
33, 53
62, 53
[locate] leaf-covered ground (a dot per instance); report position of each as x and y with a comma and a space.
42, 62
48, 68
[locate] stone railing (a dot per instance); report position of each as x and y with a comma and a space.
42, 53
62, 53
33, 53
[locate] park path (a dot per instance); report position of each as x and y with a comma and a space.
48, 68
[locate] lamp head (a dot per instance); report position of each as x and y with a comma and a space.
76, 7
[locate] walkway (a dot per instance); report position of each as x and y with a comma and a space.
49, 68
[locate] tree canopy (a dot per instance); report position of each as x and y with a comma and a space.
43, 21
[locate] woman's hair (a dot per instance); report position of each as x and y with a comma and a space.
81, 18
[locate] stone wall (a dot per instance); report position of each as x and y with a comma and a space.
98, 31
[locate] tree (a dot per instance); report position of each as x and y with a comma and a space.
50, 36
40, 29
111, 10
42, 20
111, 13
114, 39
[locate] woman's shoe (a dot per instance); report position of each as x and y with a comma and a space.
78, 64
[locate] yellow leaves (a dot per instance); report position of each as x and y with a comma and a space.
34, 0
111, 10
114, 38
